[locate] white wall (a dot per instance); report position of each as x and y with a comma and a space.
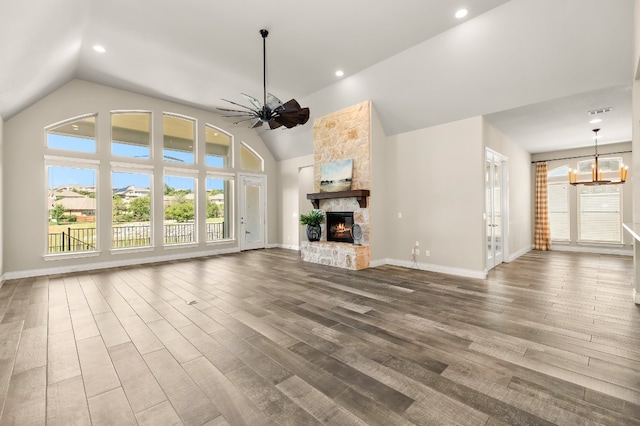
628, 190
436, 181
520, 216
25, 195
2, 190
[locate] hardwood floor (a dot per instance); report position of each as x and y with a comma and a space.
263, 338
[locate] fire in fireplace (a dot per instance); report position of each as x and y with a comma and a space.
339, 226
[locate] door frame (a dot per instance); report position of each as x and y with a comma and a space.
242, 180
495, 156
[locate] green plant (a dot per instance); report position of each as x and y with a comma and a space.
313, 218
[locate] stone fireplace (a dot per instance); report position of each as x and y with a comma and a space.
341, 136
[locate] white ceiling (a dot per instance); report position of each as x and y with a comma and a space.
534, 66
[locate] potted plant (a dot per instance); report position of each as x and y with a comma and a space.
313, 219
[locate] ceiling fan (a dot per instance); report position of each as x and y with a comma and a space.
272, 110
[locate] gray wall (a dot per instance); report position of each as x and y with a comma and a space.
436, 181
25, 195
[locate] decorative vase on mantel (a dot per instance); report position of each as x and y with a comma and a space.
314, 232
313, 219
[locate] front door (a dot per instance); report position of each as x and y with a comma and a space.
252, 212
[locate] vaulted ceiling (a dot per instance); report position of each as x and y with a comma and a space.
534, 67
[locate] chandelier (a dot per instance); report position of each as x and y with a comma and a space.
596, 172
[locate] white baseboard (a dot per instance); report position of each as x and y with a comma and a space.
594, 250
289, 247
449, 270
519, 253
114, 264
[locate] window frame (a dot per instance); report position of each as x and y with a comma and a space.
136, 160
228, 205
77, 163
182, 173
231, 147
118, 167
620, 219
194, 146
568, 208
255, 153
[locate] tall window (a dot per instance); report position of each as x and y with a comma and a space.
219, 202
179, 209
130, 134
218, 147
600, 213
558, 202
179, 138
559, 220
131, 209
72, 209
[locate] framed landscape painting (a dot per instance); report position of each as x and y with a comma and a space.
336, 176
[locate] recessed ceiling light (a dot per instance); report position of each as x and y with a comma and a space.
595, 120
339, 73
461, 13
99, 49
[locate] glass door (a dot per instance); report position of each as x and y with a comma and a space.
252, 212
495, 205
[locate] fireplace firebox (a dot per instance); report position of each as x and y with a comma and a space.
339, 226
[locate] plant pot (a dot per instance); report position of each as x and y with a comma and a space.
314, 232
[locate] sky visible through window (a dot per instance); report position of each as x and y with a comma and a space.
68, 176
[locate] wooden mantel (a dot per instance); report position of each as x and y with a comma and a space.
359, 194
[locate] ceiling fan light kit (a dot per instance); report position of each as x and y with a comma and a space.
272, 110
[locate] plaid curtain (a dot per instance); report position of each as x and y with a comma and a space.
542, 236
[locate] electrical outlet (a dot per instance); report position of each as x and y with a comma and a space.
427, 253
417, 243
417, 252
399, 215
413, 252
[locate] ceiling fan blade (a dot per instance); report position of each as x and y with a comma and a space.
239, 116
234, 110
258, 123
273, 124
245, 119
256, 103
273, 102
291, 114
237, 104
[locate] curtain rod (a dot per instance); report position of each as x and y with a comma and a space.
579, 156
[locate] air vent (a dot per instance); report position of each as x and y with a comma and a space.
599, 111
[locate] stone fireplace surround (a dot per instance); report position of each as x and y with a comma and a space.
339, 254
343, 135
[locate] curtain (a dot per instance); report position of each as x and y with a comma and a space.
542, 236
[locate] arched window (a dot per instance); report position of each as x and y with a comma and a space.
179, 138
77, 134
131, 134
218, 147
250, 160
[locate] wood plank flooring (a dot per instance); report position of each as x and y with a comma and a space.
264, 338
